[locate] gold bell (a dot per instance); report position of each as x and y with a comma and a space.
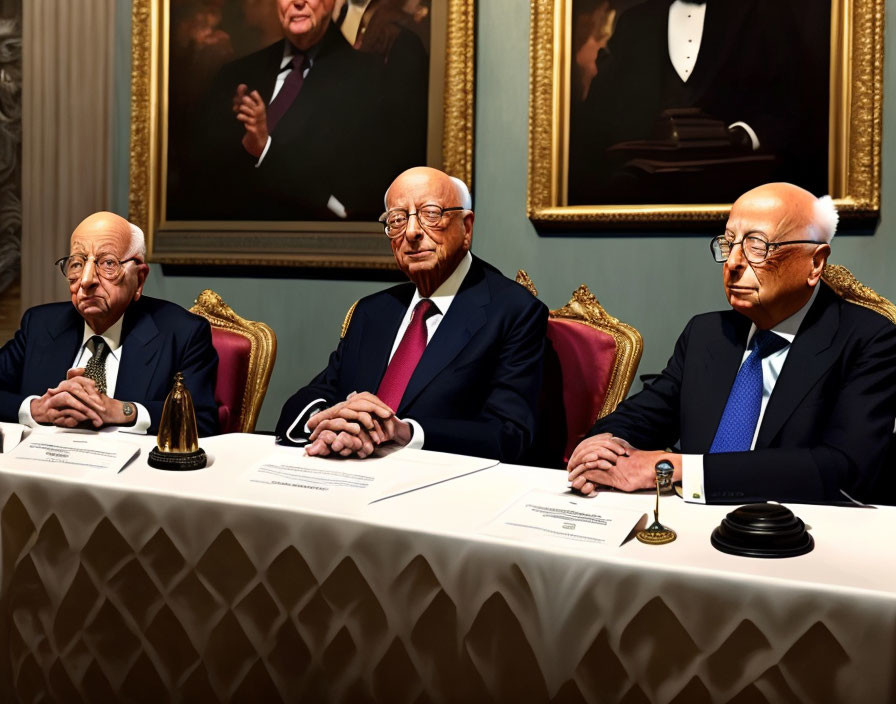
177, 446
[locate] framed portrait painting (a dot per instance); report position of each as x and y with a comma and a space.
657, 114
265, 132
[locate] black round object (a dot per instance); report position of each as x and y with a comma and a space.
762, 530
177, 461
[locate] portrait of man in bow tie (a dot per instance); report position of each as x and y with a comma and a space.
696, 101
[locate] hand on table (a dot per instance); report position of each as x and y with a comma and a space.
610, 461
355, 427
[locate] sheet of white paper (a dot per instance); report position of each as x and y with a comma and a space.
563, 519
366, 481
12, 435
69, 454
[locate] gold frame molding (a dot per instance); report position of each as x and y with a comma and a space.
305, 244
262, 351
856, 102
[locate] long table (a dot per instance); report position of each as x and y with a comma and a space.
199, 586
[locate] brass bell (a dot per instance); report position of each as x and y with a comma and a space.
177, 447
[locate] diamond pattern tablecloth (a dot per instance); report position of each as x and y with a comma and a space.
112, 595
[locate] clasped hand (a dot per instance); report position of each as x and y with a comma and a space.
74, 402
355, 427
611, 461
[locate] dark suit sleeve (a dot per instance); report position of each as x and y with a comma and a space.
854, 441
504, 427
300, 407
12, 365
650, 420
199, 364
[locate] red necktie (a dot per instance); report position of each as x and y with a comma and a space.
292, 84
405, 359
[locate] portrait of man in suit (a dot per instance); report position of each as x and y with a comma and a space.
451, 361
109, 357
299, 129
788, 396
696, 101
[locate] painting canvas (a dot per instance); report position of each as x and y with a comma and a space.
649, 112
252, 146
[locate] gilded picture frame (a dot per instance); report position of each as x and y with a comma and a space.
853, 135
348, 244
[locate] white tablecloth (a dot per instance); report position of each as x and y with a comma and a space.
200, 586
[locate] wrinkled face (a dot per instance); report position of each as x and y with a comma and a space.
430, 252
304, 22
99, 300
772, 290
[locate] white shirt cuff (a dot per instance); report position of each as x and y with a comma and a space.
25, 412
416, 441
299, 417
692, 479
267, 145
141, 425
746, 128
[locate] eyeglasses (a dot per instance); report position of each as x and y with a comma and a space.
107, 265
397, 219
755, 248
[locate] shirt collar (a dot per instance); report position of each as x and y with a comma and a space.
445, 293
112, 336
289, 50
789, 327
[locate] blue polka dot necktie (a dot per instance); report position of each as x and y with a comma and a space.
738, 424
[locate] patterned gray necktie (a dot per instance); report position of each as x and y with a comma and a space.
96, 366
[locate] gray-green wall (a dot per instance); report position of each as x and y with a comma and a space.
653, 283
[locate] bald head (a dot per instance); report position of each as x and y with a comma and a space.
115, 226
794, 209
427, 173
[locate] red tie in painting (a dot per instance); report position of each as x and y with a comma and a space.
405, 359
292, 84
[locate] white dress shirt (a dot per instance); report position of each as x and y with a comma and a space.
443, 297
112, 338
692, 465
685, 35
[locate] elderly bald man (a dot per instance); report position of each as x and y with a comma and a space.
450, 361
109, 357
788, 396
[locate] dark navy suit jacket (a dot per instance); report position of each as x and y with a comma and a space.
159, 339
475, 389
827, 424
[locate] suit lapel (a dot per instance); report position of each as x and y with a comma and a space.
141, 343
56, 354
465, 316
723, 357
810, 356
720, 36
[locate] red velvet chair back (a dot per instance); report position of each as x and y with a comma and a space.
233, 370
588, 371
586, 356
246, 353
